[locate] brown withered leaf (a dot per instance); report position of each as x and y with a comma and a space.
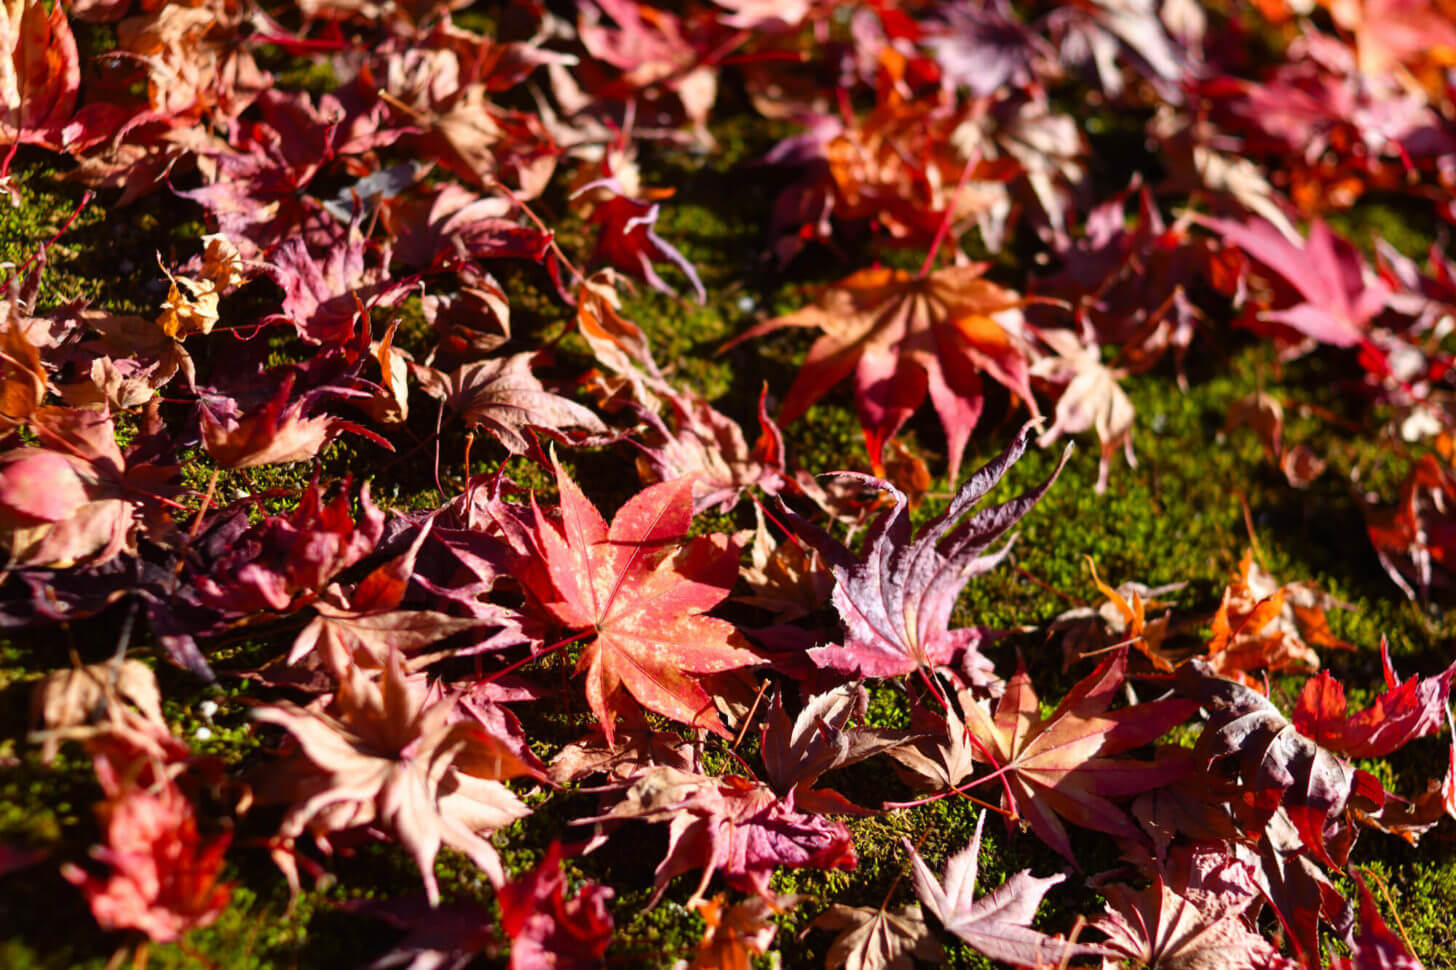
819, 740
87, 694
1121, 620
502, 395
1091, 397
878, 939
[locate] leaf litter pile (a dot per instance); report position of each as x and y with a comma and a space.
522, 641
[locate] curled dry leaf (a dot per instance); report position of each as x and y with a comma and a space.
1262, 624
503, 396
84, 695
1274, 764
729, 824
1090, 397
819, 740
1121, 620
383, 754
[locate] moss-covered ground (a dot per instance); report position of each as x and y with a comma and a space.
1186, 513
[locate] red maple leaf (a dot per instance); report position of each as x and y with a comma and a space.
641, 588
547, 930
164, 875
1335, 296
1062, 765
905, 336
1404, 712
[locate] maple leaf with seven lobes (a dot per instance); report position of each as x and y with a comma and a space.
904, 336
897, 599
642, 590
1062, 764
998, 924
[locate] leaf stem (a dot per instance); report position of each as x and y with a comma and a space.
534, 656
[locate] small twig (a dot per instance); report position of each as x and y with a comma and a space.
1249, 528
748, 719
1027, 574
534, 656
944, 228
1390, 904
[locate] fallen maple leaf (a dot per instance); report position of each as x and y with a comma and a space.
877, 939
1196, 912
1262, 624
1417, 535
1405, 711
275, 433
904, 336
730, 824
1338, 297
549, 931
83, 694
288, 560
641, 587
706, 443
1122, 619
1090, 397
820, 739
896, 598
381, 755
503, 396
998, 924
1276, 765
628, 240
40, 74
164, 876
736, 934
1063, 764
